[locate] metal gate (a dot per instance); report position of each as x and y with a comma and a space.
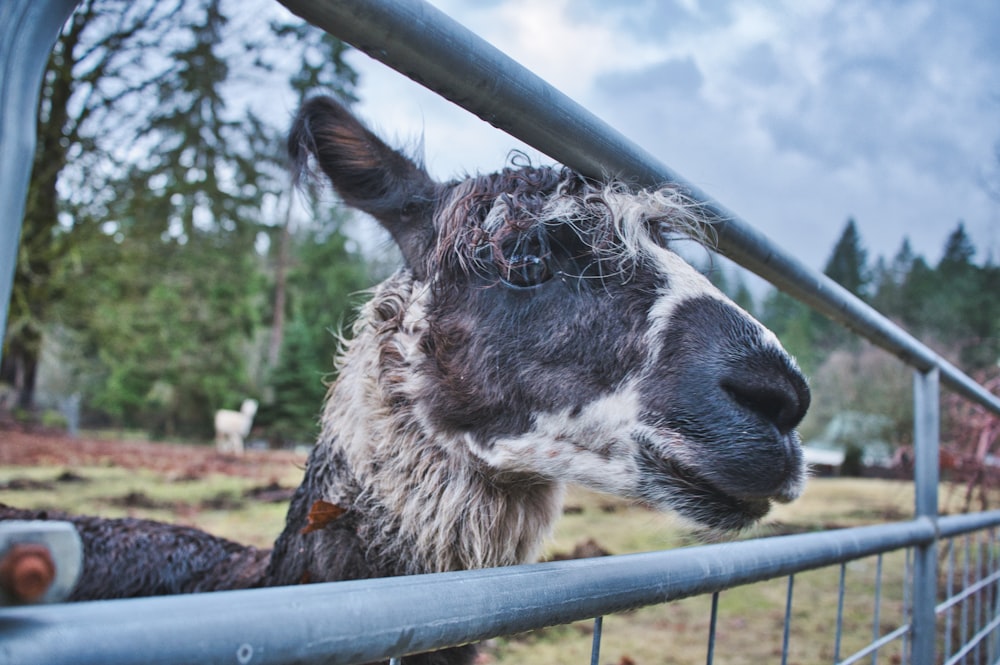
356, 622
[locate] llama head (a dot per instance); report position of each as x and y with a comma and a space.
561, 340
249, 407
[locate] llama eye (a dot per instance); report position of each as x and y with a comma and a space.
526, 271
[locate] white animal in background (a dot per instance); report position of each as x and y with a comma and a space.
232, 427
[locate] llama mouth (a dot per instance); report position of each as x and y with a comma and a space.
672, 485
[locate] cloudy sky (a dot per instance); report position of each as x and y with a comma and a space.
795, 115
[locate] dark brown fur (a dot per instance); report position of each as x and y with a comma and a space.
129, 558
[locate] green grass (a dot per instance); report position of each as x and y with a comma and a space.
215, 503
750, 620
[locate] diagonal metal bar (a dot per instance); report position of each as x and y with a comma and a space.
873, 647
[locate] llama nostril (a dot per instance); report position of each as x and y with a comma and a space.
779, 396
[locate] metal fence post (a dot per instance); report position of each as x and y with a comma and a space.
926, 426
28, 29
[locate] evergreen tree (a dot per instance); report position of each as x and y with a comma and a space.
162, 284
322, 68
191, 212
324, 281
966, 303
951, 306
890, 279
101, 60
298, 384
848, 263
916, 293
203, 167
902, 263
176, 286
958, 252
848, 266
793, 323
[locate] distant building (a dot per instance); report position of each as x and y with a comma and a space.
850, 438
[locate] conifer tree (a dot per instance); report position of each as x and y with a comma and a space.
958, 252
848, 263
889, 281
848, 266
965, 303
188, 216
792, 322
162, 287
100, 61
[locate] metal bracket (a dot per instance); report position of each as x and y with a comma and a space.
40, 561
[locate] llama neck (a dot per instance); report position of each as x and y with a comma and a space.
422, 498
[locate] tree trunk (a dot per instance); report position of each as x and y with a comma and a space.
280, 289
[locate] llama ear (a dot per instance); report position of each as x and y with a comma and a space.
368, 175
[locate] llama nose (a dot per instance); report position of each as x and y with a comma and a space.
767, 384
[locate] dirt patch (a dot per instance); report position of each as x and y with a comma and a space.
585, 549
26, 485
270, 493
180, 461
221, 501
68, 476
140, 500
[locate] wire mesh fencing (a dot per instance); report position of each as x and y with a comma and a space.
858, 611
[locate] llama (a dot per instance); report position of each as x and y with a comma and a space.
232, 427
540, 333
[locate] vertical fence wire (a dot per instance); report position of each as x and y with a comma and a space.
994, 645
788, 620
978, 599
595, 646
949, 622
966, 581
907, 608
712, 624
840, 613
989, 607
877, 609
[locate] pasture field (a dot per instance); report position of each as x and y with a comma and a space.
245, 499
